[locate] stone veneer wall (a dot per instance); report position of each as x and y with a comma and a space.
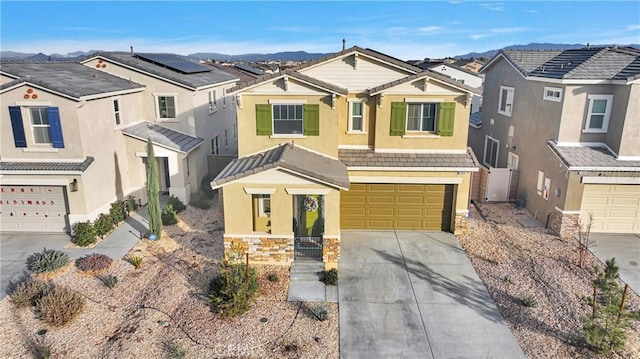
263, 250
330, 252
564, 224
460, 225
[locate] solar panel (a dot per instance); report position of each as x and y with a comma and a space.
174, 62
250, 69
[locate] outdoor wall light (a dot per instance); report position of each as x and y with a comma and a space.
73, 186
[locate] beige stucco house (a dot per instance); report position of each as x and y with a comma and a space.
355, 140
569, 121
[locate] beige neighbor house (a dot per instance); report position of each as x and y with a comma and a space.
569, 121
355, 140
74, 135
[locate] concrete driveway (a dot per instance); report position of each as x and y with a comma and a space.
409, 294
626, 250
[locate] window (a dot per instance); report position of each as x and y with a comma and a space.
540, 182
512, 161
598, 113
356, 116
45, 124
421, 117
213, 101
226, 139
235, 130
40, 125
215, 149
116, 111
505, 104
553, 94
287, 119
491, 147
166, 107
224, 101
264, 205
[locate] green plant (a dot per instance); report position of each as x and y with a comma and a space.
174, 350
59, 306
205, 186
605, 329
320, 311
232, 292
93, 262
153, 192
84, 234
169, 216
273, 277
40, 347
131, 204
27, 291
47, 261
529, 301
103, 224
331, 276
118, 212
177, 205
136, 261
108, 280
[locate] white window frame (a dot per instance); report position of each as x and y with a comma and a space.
235, 131
117, 113
156, 97
435, 120
546, 188
273, 120
213, 102
351, 130
262, 198
513, 161
34, 126
226, 139
215, 145
552, 97
540, 183
508, 110
487, 138
607, 113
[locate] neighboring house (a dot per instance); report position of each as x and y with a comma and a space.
181, 96
570, 122
355, 140
466, 77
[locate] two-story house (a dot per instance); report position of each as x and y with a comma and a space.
466, 77
355, 140
569, 121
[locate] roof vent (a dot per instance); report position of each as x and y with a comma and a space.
561, 66
542, 68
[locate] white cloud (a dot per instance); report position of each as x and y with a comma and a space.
633, 27
508, 30
430, 29
455, 2
531, 11
478, 36
493, 6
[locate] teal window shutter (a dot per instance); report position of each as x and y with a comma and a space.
263, 120
398, 118
55, 127
446, 118
18, 127
311, 120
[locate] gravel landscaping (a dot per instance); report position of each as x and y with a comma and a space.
515, 262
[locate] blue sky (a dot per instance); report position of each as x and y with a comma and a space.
407, 30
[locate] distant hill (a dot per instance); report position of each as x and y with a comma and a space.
278, 56
44, 57
532, 46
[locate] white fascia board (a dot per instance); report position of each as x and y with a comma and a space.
576, 81
33, 181
427, 151
37, 173
249, 190
109, 94
604, 169
217, 84
313, 179
396, 179
297, 190
415, 169
610, 180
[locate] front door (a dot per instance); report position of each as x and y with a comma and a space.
308, 225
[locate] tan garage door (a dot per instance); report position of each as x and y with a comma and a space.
396, 206
615, 208
33, 209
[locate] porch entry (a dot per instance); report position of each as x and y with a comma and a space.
308, 225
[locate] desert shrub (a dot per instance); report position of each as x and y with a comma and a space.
169, 216
205, 186
131, 204
84, 234
136, 261
231, 293
59, 306
103, 224
175, 203
118, 212
40, 347
108, 280
331, 276
47, 261
174, 350
273, 277
320, 311
27, 292
529, 301
200, 200
93, 262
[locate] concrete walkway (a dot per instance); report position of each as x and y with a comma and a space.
410, 294
625, 248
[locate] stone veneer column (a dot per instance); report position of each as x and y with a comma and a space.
330, 252
564, 224
263, 250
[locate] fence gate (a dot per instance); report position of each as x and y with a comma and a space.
308, 247
498, 185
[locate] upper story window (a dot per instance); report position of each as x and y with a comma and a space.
287, 119
40, 125
44, 125
356, 116
213, 101
166, 106
421, 117
553, 94
598, 113
215, 147
505, 103
491, 149
116, 111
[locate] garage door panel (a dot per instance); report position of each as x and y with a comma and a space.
410, 212
33, 209
380, 212
624, 201
379, 224
409, 224
381, 199
615, 208
358, 211
404, 188
381, 188
419, 200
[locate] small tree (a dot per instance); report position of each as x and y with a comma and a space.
153, 192
584, 242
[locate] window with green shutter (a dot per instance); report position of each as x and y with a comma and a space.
263, 120
312, 120
398, 118
446, 118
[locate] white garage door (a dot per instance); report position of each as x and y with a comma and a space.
615, 208
33, 209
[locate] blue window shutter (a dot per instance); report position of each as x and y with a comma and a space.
55, 128
18, 126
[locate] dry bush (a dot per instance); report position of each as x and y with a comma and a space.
59, 306
28, 292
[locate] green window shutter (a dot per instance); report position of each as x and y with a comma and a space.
263, 120
445, 120
398, 118
312, 120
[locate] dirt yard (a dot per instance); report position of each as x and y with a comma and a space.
163, 306
514, 262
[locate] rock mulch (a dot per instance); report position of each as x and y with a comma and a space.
515, 262
163, 306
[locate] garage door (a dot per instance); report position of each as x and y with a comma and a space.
33, 209
615, 208
396, 206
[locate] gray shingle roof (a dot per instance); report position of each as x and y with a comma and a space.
423, 74
288, 157
370, 158
163, 136
597, 158
475, 119
68, 78
192, 81
372, 53
291, 73
46, 166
